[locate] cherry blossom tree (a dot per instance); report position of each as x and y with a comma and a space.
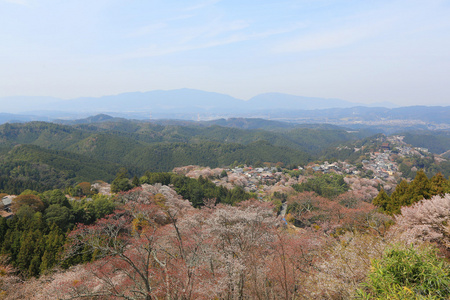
427, 220
152, 248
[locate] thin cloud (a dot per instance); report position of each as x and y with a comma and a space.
215, 29
202, 5
330, 39
19, 2
181, 17
232, 26
154, 50
146, 30
322, 41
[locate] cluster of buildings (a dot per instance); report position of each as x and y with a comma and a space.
381, 164
252, 179
404, 149
265, 173
338, 167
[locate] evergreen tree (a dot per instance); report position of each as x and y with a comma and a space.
58, 197
54, 243
397, 198
418, 189
438, 185
26, 251
135, 182
223, 174
60, 215
33, 269
121, 183
382, 200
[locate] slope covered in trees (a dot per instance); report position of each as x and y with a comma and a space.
157, 245
62, 137
32, 167
169, 236
34, 238
42, 155
436, 141
97, 147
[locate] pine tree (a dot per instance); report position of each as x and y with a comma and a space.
54, 242
135, 182
33, 269
438, 185
382, 200
26, 252
418, 189
397, 198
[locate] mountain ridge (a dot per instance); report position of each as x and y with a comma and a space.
178, 100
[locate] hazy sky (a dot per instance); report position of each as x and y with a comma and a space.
360, 51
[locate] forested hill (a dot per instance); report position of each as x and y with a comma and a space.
436, 141
33, 167
53, 155
80, 137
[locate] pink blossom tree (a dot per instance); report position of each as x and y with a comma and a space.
427, 220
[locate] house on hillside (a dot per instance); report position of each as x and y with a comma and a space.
5, 210
6, 215
7, 200
385, 146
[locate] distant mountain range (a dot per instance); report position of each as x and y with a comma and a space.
172, 101
189, 104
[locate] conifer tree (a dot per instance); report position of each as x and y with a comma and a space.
382, 200
54, 242
27, 250
438, 185
397, 198
135, 182
418, 189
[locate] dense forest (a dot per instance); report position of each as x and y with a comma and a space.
34, 238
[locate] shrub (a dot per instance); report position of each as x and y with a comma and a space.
408, 273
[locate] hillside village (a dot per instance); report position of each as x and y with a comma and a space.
380, 165
378, 168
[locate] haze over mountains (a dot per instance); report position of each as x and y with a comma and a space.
174, 101
190, 104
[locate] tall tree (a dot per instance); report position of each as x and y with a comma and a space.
438, 185
382, 200
398, 198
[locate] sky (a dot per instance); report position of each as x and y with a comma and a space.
360, 51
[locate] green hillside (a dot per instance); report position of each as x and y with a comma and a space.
166, 156
33, 167
310, 140
47, 155
436, 141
